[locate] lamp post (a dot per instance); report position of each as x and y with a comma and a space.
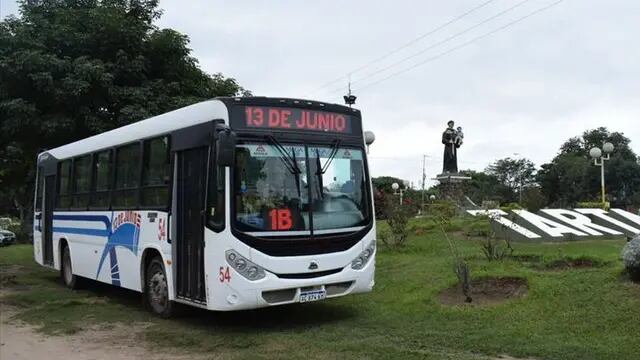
599, 157
400, 191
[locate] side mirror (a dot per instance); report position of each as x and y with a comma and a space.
225, 147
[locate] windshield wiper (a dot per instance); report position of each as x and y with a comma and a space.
290, 162
321, 169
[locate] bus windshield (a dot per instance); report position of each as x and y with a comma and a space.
298, 188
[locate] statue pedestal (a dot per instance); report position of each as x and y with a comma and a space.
451, 187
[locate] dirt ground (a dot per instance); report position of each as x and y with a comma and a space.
22, 342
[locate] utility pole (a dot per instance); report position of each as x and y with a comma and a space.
424, 178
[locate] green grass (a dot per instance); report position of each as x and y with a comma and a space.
568, 314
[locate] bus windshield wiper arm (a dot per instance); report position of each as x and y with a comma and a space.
321, 169
290, 162
332, 155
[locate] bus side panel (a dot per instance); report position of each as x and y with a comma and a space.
37, 238
155, 235
108, 246
84, 233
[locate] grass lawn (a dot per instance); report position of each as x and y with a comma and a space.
591, 313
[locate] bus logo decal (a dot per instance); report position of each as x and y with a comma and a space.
125, 232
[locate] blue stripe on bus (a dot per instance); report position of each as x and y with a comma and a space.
78, 231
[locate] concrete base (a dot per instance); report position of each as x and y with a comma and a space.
451, 187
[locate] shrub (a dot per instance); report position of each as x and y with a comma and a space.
480, 226
631, 257
397, 216
494, 248
592, 205
510, 206
441, 209
533, 199
460, 265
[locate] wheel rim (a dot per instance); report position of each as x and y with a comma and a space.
67, 267
158, 295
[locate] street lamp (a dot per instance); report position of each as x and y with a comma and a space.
400, 191
598, 159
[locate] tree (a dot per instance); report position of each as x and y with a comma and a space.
571, 176
383, 183
70, 69
514, 174
483, 187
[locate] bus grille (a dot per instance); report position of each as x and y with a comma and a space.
309, 275
288, 295
279, 296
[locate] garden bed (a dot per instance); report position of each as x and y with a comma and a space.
486, 291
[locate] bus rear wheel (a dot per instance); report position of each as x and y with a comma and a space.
66, 270
157, 290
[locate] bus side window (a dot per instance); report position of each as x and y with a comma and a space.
64, 185
155, 173
81, 182
102, 171
127, 176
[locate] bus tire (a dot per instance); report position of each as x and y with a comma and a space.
157, 290
66, 270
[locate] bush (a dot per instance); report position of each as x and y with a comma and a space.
480, 226
510, 206
592, 205
494, 248
533, 199
397, 216
441, 209
631, 258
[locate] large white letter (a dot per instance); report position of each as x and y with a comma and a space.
554, 229
602, 215
497, 216
579, 221
626, 215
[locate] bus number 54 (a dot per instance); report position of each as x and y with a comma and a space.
225, 275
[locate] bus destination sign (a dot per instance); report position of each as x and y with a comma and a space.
282, 118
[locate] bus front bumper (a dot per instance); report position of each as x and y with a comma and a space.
273, 290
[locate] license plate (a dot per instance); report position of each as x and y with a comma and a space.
312, 295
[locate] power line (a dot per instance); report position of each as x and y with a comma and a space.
406, 45
465, 44
442, 41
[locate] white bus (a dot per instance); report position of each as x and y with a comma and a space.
227, 204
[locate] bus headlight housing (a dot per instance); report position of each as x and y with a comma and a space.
363, 258
243, 266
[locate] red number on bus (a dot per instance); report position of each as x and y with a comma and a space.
225, 275
281, 219
255, 116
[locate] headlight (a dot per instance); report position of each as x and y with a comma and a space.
362, 259
243, 266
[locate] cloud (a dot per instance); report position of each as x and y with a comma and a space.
523, 90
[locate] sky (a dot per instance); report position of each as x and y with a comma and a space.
520, 76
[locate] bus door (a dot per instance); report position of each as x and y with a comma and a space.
47, 219
191, 193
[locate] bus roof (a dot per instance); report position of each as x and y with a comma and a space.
195, 114
177, 119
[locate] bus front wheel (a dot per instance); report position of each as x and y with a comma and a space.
156, 289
